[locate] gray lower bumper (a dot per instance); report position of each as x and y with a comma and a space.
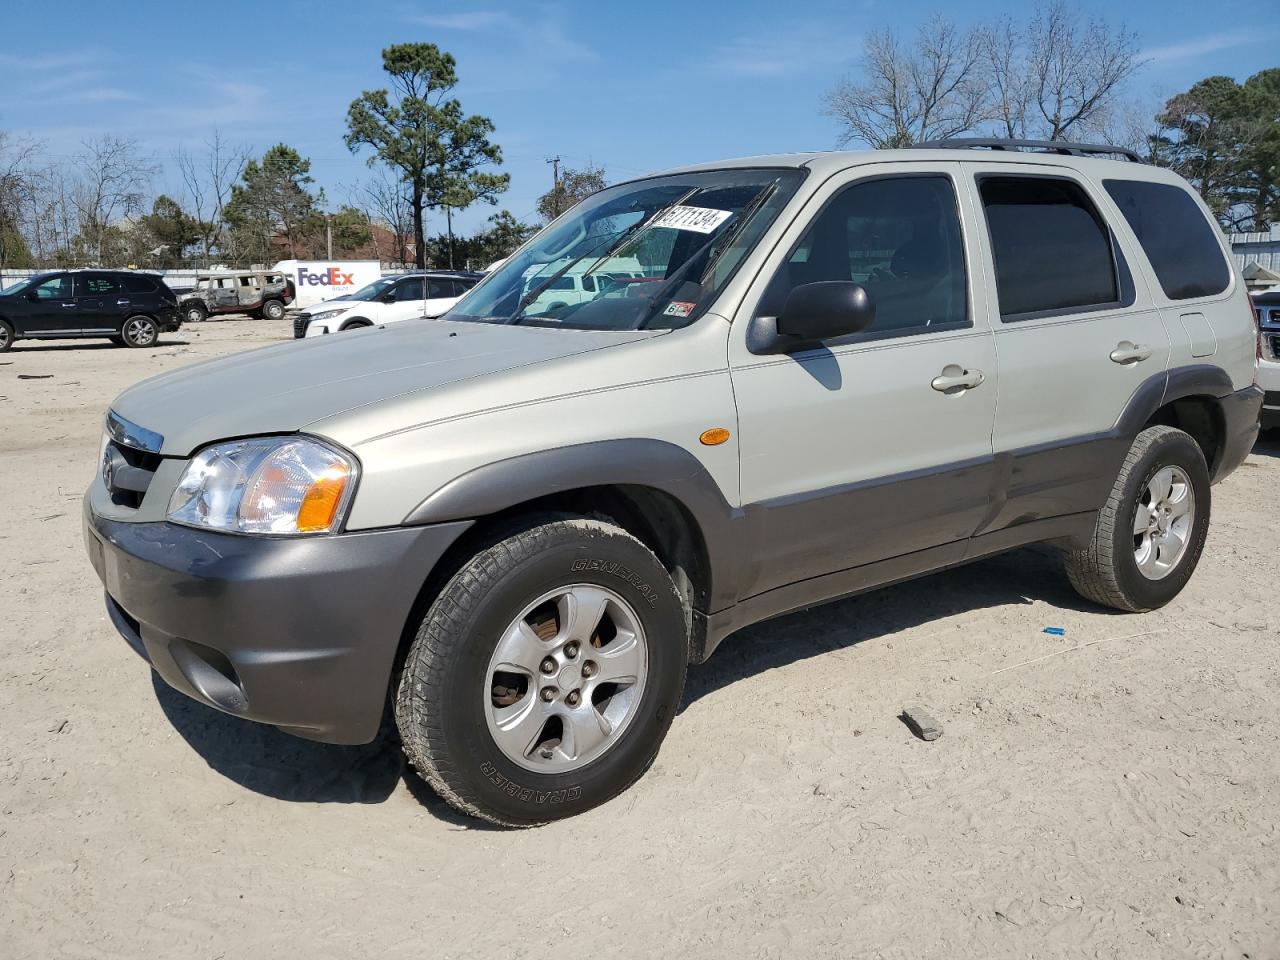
300, 633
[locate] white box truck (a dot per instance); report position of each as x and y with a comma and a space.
315, 281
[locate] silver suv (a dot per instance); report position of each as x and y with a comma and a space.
521, 524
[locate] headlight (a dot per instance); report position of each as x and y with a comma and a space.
329, 314
272, 485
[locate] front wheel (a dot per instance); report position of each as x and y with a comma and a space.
546, 673
1150, 533
6, 336
357, 324
273, 310
140, 332
193, 311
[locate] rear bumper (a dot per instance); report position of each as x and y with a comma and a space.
1240, 411
300, 633
1270, 416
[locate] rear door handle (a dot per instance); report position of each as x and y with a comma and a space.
68, 306
1127, 352
956, 379
122, 303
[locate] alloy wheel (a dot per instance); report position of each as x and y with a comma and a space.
1163, 522
566, 678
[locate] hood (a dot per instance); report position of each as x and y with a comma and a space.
283, 388
337, 303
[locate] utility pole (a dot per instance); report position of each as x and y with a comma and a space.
328, 236
555, 184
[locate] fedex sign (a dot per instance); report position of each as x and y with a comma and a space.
316, 281
333, 277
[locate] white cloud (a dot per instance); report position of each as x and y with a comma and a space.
800, 48
1189, 49
470, 20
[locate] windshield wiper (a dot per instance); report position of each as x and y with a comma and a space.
619, 241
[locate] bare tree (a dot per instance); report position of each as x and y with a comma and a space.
1008, 84
17, 192
929, 90
385, 200
207, 181
1076, 68
112, 184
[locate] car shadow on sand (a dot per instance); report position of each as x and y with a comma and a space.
275, 764
1017, 578
62, 346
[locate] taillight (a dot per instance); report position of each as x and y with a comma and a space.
1257, 341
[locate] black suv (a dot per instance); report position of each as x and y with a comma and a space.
128, 308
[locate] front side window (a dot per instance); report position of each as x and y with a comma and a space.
409, 290
55, 288
1051, 249
685, 233
1175, 235
899, 237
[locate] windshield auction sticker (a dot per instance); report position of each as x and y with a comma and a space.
697, 219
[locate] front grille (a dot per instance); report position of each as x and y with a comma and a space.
128, 472
300, 325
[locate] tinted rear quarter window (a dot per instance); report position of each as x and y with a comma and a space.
1052, 250
138, 284
1175, 235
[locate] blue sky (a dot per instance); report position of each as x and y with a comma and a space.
630, 86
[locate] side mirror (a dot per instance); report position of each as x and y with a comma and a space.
813, 312
33, 296
387, 298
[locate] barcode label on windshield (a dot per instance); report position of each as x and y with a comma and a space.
697, 219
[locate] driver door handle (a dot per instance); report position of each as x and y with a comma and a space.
1128, 352
956, 379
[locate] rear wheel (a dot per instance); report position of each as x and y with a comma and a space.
140, 331
273, 310
1150, 533
546, 673
6, 336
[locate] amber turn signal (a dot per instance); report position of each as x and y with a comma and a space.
713, 437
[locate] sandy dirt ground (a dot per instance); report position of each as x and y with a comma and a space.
1112, 792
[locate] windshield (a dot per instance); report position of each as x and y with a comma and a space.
22, 284
652, 254
371, 291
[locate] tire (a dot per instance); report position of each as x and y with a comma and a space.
357, 324
272, 310
140, 332
194, 312
1108, 571
449, 701
6, 336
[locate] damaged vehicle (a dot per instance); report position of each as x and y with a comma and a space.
260, 294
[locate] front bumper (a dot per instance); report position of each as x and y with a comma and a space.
300, 633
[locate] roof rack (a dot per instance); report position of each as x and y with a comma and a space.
1063, 147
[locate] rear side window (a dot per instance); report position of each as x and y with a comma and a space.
95, 285
136, 283
1052, 250
1175, 236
